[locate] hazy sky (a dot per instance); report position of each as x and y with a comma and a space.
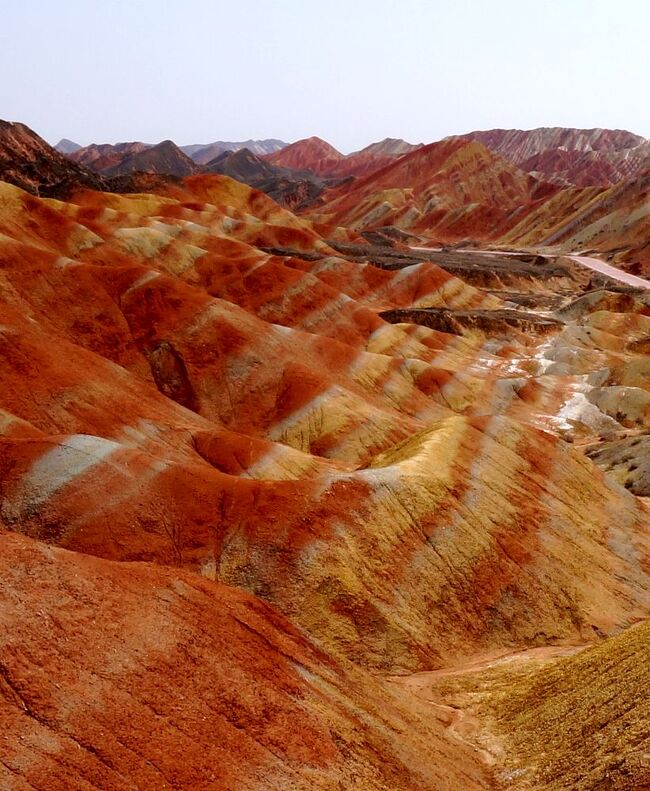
350, 71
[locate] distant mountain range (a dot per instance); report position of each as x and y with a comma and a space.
296, 174
204, 153
201, 153
30, 163
166, 157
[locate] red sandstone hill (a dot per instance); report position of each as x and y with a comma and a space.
589, 168
323, 159
613, 220
234, 411
518, 145
235, 497
580, 157
119, 675
312, 153
583, 157
450, 190
31, 163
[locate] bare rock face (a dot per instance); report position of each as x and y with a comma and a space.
170, 374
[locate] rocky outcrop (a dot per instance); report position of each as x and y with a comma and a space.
495, 323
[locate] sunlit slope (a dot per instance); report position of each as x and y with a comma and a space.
584, 722
117, 676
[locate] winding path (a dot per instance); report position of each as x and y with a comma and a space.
587, 261
461, 724
610, 271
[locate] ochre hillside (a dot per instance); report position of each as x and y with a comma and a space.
272, 494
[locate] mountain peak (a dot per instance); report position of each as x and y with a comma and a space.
165, 157
65, 146
310, 153
390, 146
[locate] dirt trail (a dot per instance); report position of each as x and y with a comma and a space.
462, 725
610, 271
587, 261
